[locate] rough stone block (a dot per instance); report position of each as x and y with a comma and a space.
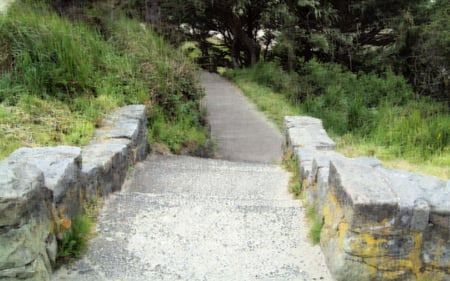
105, 164
25, 222
306, 132
316, 192
364, 190
305, 158
384, 217
61, 166
127, 122
379, 224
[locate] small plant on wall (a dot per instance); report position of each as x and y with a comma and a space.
290, 163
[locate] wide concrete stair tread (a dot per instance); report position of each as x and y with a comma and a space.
211, 178
184, 218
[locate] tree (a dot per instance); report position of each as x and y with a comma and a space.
424, 49
237, 22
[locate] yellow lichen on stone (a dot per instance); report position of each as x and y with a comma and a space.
415, 255
367, 245
430, 276
334, 216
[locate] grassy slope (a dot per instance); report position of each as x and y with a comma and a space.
59, 77
277, 105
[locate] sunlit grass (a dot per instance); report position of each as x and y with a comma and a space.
437, 165
59, 78
276, 106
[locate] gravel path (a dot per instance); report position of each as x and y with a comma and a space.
185, 218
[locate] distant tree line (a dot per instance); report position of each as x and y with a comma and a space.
410, 37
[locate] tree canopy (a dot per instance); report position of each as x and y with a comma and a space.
410, 37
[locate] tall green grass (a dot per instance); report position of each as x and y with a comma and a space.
370, 114
59, 77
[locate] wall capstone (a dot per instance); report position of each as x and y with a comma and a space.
379, 223
40, 188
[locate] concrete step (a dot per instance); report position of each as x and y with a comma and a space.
184, 218
211, 178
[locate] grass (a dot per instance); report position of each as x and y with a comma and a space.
77, 233
268, 101
316, 225
59, 78
74, 243
411, 135
290, 163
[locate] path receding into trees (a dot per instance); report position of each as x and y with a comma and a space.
242, 133
186, 218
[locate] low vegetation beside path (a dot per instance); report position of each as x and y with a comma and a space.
60, 73
366, 114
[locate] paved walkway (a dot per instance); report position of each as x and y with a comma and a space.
185, 218
242, 133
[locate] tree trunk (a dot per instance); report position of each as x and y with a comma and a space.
241, 39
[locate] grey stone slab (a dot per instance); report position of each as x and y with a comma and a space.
61, 166
307, 132
129, 122
24, 222
113, 128
20, 188
415, 192
365, 190
105, 164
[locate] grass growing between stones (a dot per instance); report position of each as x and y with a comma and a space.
60, 76
75, 239
316, 225
290, 163
76, 233
362, 113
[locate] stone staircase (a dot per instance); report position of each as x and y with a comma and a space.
184, 218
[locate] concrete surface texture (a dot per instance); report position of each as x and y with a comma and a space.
185, 218
242, 133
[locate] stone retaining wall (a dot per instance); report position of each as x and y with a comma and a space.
378, 223
43, 189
